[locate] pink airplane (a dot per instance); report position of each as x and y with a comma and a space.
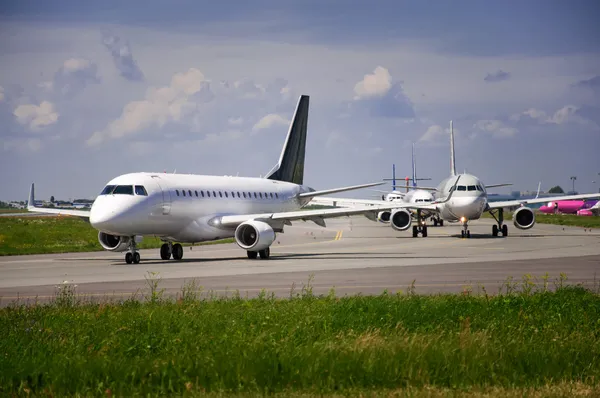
579, 207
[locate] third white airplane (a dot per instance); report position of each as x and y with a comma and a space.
463, 198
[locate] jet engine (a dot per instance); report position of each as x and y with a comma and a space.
401, 219
114, 243
254, 235
523, 218
384, 216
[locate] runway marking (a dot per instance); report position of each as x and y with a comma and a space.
339, 234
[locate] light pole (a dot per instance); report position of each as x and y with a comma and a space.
573, 178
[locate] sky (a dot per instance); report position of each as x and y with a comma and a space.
93, 89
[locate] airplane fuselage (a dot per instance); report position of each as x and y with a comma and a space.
180, 206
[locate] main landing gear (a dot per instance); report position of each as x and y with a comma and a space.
421, 227
264, 254
437, 221
169, 249
132, 256
465, 233
500, 227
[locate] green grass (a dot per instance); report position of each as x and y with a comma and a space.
6, 211
37, 235
571, 220
525, 338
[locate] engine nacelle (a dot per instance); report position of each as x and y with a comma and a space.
254, 235
401, 219
384, 216
113, 243
523, 218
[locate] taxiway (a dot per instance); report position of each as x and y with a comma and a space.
352, 255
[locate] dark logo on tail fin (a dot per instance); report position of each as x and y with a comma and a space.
290, 167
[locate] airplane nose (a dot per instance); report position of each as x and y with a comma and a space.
101, 217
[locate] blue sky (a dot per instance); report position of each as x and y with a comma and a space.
91, 90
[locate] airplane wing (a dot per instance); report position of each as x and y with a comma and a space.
347, 202
497, 185
522, 202
334, 190
85, 214
317, 216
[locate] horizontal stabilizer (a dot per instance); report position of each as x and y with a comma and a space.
415, 187
334, 190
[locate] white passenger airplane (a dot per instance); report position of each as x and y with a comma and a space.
196, 208
463, 197
415, 195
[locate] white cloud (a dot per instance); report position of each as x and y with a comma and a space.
437, 134
73, 76
270, 120
495, 127
376, 84
161, 105
564, 115
533, 113
36, 117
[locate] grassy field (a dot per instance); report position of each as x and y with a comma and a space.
524, 340
36, 235
6, 211
557, 219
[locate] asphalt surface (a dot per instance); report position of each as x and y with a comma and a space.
352, 255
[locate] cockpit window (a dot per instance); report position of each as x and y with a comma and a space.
123, 190
472, 188
140, 190
461, 188
107, 190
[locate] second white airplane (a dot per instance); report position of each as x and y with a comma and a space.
196, 208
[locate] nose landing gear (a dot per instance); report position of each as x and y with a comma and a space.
465, 233
421, 227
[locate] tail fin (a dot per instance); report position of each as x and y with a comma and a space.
414, 167
393, 177
452, 159
290, 167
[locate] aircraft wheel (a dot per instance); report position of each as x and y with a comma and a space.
435, 222
468, 234
504, 230
424, 232
415, 231
129, 258
495, 230
165, 253
441, 223
462, 234
265, 254
177, 251
252, 255
136, 258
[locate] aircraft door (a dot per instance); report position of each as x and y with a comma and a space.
166, 195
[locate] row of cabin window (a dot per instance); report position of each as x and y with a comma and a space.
468, 188
243, 194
